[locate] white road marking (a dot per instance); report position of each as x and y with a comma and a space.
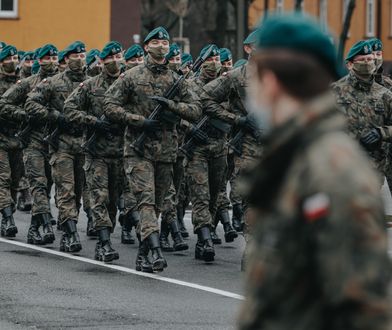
126, 270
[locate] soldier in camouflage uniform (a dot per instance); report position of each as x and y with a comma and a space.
94, 65
319, 259
104, 159
150, 171
10, 146
62, 62
46, 104
36, 152
366, 104
27, 61
134, 56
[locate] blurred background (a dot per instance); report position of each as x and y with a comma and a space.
28, 24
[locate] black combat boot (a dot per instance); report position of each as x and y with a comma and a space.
126, 229
158, 261
230, 233
104, 250
143, 263
180, 221
215, 238
73, 244
179, 244
47, 229
164, 237
204, 246
24, 200
90, 231
237, 218
8, 227
33, 235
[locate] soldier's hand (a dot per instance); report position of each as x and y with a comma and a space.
371, 140
62, 121
102, 125
198, 135
161, 100
248, 123
151, 125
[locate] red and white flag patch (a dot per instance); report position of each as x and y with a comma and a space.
316, 207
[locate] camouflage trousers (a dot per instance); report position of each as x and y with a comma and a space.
68, 175
205, 178
104, 177
10, 173
150, 183
38, 172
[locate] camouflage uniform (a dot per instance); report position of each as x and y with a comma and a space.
45, 104
150, 175
365, 104
319, 259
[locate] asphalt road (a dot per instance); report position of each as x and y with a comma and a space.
40, 290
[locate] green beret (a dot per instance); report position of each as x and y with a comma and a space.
47, 50
362, 47
157, 33
8, 50
376, 44
225, 55
239, 63
251, 38
75, 48
2, 44
61, 55
174, 50
35, 67
91, 55
111, 48
186, 58
28, 56
21, 53
214, 50
300, 33
134, 51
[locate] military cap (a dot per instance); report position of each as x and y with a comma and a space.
174, 50
214, 50
28, 56
251, 38
111, 48
300, 33
133, 51
225, 54
91, 55
75, 48
158, 33
21, 53
35, 67
2, 44
239, 63
8, 50
186, 58
61, 56
47, 50
376, 44
362, 47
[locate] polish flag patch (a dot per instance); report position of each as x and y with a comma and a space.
316, 207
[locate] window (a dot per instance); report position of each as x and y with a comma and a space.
279, 6
323, 13
370, 18
8, 8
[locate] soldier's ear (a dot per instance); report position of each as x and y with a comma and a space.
145, 48
349, 65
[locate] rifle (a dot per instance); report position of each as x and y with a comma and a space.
53, 139
88, 146
138, 145
24, 134
346, 27
94, 64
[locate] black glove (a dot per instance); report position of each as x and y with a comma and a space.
151, 125
62, 122
371, 140
102, 125
248, 123
163, 101
198, 135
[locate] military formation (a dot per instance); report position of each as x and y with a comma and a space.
139, 135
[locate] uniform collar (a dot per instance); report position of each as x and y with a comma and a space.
75, 76
154, 67
359, 83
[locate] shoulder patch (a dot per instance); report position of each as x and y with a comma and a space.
19, 81
316, 207
224, 74
81, 84
45, 80
122, 75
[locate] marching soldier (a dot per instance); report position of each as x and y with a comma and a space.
134, 56
94, 65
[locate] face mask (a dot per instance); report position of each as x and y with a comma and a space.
158, 53
76, 65
174, 66
212, 68
26, 70
95, 71
49, 67
378, 62
364, 70
113, 68
225, 69
9, 67
132, 65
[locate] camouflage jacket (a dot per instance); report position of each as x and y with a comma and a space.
127, 101
46, 102
231, 87
85, 105
365, 105
8, 129
319, 256
383, 80
12, 105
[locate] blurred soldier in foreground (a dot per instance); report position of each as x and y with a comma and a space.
319, 259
